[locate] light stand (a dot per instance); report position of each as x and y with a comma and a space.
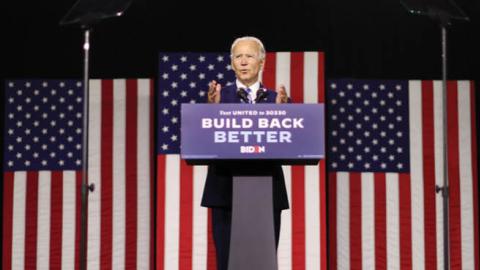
85, 187
444, 22
441, 11
85, 14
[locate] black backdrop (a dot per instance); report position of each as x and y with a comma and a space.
361, 39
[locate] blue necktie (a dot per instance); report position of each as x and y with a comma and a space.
249, 91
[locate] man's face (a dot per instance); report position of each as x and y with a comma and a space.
246, 61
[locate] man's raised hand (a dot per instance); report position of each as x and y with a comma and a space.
282, 96
214, 89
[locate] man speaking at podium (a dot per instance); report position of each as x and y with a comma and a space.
247, 60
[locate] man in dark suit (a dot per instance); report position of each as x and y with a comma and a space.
247, 60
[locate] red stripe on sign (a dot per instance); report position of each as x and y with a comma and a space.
160, 226
7, 220
323, 215
332, 218
380, 221
355, 221
31, 216
298, 217
106, 175
296, 76
131, 180
78, 217
186, 214
56, 218
321, 77
474, 171
152, 173
269, 72
428, 141
405, 210
211, 257
454, 177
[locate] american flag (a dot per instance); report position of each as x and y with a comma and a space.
184, 78
42, 161
385, 158
42, 177
184, 238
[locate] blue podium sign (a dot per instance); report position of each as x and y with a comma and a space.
258, 131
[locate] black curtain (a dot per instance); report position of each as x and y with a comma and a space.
362, 39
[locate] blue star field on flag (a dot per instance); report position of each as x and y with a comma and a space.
368, 126
43, 125
184, 78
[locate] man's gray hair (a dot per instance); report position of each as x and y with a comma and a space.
249, 38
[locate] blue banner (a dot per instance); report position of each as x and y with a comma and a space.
245, 131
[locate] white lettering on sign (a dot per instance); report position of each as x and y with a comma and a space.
227, 123
283, 123
253, 136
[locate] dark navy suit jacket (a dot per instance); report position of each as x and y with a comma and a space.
218, 186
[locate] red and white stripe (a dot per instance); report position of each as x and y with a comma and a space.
41, 220
41, 223
395, 220
184, 238
120, 164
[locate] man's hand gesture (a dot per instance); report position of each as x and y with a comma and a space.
282, 96
214, 89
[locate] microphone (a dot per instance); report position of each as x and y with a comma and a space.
261, 95
242, 94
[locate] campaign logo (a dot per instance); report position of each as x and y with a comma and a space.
252, 149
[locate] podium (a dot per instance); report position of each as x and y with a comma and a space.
271, 133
